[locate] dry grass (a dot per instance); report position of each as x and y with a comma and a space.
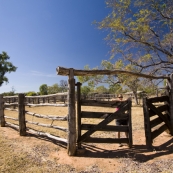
35, 159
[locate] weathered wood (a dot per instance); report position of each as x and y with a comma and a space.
158, 99
46, 104
171, 104
2, 119
12, 125
155, 122
11, 118
130, 124
102, 115
160, 109
21, 108
158, 131
71, 147
48, 126
106, 140
106, 128
46, 96
11, 104
46, 135
147, 124
104, 122
113, 104
78, 113
7, 97
51, 117
161, 116
10, 109
65, 72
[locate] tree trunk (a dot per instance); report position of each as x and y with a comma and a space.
136, 97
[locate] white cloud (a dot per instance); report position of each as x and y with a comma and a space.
37, 73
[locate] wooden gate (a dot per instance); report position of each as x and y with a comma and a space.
124, 112
158, 114
156, 117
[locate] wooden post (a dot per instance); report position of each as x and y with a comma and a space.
78, 113
171, 102
71, 147
130, 124
21, 108
2, 119
147, 125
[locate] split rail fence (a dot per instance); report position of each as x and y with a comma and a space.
52, 98
21, 122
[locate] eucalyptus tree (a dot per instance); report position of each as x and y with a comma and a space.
5, 67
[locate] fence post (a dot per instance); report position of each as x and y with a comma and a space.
147, 125
130, 123
71, 146
2, 119
79, 113
21, 108
171, 102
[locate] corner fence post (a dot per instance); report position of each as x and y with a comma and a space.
21, 108
71, 146
171, 102
2, 119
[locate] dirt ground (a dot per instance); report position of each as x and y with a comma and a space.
99, 158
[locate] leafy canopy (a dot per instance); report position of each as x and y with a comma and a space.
5, 67
141, 33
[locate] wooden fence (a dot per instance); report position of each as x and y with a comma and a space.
51, 98
158, 114
124, 112
22, 122
156, 117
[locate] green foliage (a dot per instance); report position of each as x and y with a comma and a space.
141, 33
11, 93
5, 67
31, 93
85, 90
101, 89
115, 89
53, 89
43, 89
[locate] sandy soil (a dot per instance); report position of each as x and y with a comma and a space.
101, 157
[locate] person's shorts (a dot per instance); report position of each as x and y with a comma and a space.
121, 122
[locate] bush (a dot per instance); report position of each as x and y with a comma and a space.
31, 93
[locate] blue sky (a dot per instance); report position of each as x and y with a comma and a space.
40, 35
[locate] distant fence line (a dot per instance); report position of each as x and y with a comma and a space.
22, 121
51, 98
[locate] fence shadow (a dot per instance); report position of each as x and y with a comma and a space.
44, 138
138, 153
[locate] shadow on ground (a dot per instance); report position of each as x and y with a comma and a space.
138, 153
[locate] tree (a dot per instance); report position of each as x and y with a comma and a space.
43, 89
54, 89
63, 85
141, 33
85, 90
31, 93
5, 67
101, 89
